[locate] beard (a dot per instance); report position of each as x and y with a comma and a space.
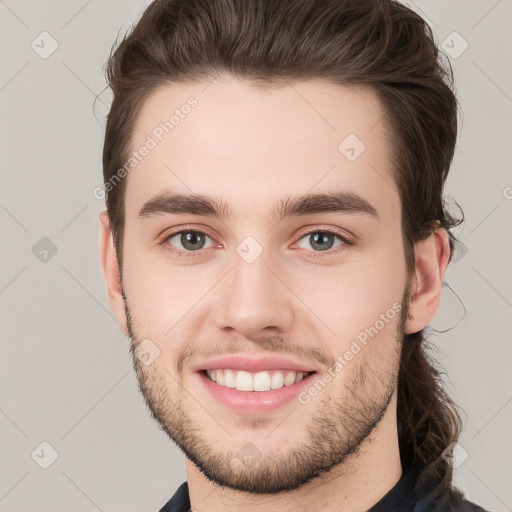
334, 433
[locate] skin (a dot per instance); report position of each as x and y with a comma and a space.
252, 148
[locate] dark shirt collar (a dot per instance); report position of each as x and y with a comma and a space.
402, 497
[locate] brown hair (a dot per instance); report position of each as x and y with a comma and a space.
377, 43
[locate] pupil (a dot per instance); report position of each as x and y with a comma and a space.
190, 240
321, 241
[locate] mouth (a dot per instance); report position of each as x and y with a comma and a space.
255, 393
255, 381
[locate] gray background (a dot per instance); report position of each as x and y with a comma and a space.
66, 378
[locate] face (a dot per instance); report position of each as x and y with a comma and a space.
263, 249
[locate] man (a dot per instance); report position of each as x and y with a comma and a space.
274, 244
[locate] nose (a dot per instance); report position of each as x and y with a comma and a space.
255, 300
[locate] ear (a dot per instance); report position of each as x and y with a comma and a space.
110, 268
432, 257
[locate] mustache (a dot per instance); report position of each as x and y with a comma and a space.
269, 345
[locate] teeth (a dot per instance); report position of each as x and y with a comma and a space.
243, 381
229, 379
289, 379
260, 381
277, 381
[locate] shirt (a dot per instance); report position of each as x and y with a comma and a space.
403, 497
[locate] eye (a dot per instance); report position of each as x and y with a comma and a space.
323, 240
188, 240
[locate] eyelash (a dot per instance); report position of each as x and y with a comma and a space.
347, 242
314, 254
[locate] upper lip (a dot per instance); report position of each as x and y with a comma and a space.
239, 362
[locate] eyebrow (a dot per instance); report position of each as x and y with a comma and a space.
293, 206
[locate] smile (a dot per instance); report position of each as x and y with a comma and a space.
259, 381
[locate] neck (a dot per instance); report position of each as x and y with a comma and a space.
353, 486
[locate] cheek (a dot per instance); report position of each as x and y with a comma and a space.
359, 289
366, 337
359, 303
159, 295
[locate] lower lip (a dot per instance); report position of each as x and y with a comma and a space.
255, 401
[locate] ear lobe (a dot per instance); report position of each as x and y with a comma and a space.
432, 258
110, 267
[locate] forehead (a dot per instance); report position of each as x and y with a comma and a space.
252, 145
